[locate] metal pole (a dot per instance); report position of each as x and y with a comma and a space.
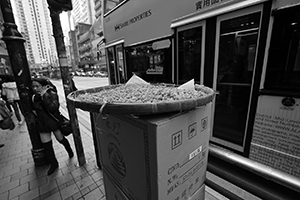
65, 75
17, 55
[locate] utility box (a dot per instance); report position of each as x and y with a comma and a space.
154, 157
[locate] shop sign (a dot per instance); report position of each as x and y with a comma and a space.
204, 4
161, 44
133, 20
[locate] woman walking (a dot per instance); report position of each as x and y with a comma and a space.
10, 93
46, 107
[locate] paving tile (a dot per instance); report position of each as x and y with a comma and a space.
25, 157
19, 190
70, 182
47, 187
85, 182
64, 178
84, 191
53, 191
5, 181
20, 163
94, 195
12, 171
62, 186
19, 175
28, 178
4, 195
93, 186
9, 186
97, 175
78, 172
55, 196
31, 194
45, 195
37, 182
69, 191
77, 195
102, 189
69, 198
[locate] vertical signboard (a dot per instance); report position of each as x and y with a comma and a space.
276, 134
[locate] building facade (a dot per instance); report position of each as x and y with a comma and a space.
34, 22
83, 11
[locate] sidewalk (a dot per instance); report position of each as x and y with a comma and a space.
20, 179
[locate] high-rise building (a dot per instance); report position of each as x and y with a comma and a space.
33, 20
98, 8
83, 11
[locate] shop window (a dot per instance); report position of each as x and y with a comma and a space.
283, 67
152, 61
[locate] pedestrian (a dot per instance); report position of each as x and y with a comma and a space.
10, 91
6, 121
3, 78
46, 108
73, 87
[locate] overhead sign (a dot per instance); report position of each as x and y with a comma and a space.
203, 4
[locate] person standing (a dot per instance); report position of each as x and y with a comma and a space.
73, 87
46, 108
10, 91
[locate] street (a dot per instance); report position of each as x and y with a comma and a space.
81, 83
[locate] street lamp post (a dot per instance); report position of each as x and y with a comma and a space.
17, 55
55, 10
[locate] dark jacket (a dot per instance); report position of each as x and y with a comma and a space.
73, 87
46, 108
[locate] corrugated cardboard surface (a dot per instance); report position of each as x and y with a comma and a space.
156, 157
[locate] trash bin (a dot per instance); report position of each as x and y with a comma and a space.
155, 156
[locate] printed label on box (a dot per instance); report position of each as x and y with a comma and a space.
192, 130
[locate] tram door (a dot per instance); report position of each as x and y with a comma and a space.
120, 63
236, 45
111, 65
116, 66
190, 48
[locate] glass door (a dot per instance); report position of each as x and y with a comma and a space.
111, 66
120, 63
235, 59
190, 57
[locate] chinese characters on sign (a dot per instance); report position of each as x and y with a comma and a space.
207, 3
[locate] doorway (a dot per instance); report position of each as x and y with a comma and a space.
236, 47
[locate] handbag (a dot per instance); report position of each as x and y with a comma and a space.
63, 122
7, 124
6, 121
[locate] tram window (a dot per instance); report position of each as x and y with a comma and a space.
149, 64
283, 68
189, 54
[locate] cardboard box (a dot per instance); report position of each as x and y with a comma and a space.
112, 191
199, 195
156, 157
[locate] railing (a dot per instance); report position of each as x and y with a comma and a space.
260, 180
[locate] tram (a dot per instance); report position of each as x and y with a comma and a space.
248, 51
